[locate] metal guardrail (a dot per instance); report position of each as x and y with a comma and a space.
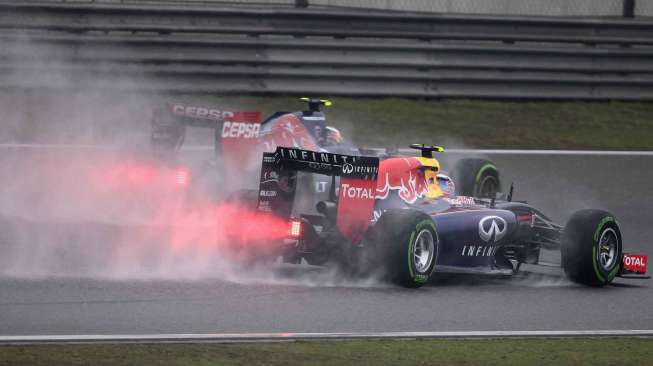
566, 8
287, 336
241, 50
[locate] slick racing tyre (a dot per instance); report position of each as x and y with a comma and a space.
476, 178
591, 247
407, 246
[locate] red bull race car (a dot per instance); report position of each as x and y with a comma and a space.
400, 217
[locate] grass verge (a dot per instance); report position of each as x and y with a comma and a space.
574, 351
476, 123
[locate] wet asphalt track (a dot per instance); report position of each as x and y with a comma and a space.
538, 301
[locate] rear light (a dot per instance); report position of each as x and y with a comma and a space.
182, 177
295, 228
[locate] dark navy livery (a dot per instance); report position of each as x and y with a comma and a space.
404, 218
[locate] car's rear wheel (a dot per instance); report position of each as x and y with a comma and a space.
591, 247
476, 177
406, 245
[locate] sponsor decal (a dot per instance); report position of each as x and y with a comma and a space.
268, 193
362, 170
355, 205
240, 130
460, 201
402, 175
492, 228
314, 156
270, 176
635, 262
319, 166
264, 206
356, 192
351, 165
603, 222
320, 187
478, 250
237, 141
200, 112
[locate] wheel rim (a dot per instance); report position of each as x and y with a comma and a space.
487, 187
423, 251
608, 248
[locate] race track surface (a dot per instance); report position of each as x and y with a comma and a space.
306, 300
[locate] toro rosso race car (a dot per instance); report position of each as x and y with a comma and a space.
400, 217
241, 136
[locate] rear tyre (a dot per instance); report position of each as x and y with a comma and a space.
476, 178
406, 243
591, 247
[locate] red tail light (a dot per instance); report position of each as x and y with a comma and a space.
295, 228
182, 177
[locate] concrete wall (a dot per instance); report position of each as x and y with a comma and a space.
644, 8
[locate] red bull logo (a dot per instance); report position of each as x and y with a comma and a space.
402, 175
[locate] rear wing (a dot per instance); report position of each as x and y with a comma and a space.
228, 125
235, 133
209, 117
356, 191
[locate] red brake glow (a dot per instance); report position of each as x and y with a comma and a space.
295, 228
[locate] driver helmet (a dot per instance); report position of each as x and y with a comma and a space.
433, 186
333, 136
438, 185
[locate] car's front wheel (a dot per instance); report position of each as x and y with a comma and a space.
476, 177
406, 242
591, 247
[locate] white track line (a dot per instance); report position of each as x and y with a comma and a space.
273, 337
402, 151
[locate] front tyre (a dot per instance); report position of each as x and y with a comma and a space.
407, 243
476, 178
591, 247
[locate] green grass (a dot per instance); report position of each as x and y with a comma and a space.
475, 123
576, 351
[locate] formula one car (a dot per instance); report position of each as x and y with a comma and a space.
240, 137
399, 216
